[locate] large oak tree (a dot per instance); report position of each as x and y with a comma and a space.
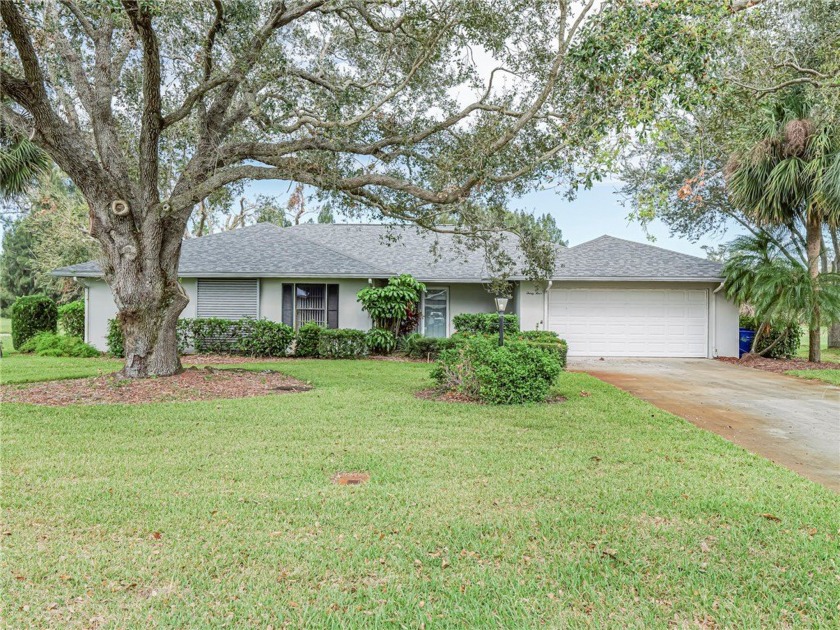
151, 107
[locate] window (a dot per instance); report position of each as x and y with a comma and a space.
310, 304
436, 312
227, 299
304, 303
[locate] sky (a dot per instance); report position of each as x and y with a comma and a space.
593, 213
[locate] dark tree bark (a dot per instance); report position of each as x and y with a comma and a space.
813, 246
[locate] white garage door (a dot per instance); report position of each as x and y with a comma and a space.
631, 322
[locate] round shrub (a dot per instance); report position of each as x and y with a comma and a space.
516, 373
71, 318
307, 339
32, 314
381, 341
47, 344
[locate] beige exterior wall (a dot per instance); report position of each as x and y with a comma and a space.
350, 313
99, 308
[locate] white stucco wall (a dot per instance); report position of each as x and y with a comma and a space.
725, 326
530, 305
99, 308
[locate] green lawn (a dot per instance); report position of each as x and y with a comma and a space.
829, 376
601, 511
6, 334
827, 354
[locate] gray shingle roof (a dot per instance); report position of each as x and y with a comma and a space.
379, 251
609, 257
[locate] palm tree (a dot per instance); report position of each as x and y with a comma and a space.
791, 176
21, 163
778, 288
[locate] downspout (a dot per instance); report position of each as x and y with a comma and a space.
713, 323
545, 305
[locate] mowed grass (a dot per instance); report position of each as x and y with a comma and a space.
28, 368
831, 376
830, 355
598, 512
6, 334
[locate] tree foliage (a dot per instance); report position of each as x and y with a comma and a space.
152, 107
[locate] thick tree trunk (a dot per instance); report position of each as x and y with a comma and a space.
813, 244
149, 328
141, 267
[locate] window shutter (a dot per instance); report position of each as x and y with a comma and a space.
227, 299
332, 306
288, 304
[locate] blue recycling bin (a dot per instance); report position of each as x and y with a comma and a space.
745, 341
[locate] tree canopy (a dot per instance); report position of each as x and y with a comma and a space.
405, 110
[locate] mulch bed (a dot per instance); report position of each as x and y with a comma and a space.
457, 397
778, 365
192, 384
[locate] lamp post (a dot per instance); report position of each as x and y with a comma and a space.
501, 305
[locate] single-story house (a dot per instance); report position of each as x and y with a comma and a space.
607, 297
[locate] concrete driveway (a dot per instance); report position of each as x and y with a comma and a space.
793, 422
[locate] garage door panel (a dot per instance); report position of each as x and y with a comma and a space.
631, 322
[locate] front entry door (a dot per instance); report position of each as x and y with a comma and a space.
436, 312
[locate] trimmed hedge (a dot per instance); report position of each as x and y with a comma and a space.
251, 337
306, 341
47, 344
518, 372
341, 343
32, 314
484, 323
71, 318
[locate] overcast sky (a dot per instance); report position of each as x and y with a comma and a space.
592, 214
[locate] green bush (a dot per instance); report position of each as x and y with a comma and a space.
208, 335
47, 344
264, 338
32, 314
341, 343
381, 341
539, 336
518, 372
785, 348
484, 323
429, 348
307, 339
115, 339
71, 318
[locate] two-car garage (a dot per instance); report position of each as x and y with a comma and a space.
632, 322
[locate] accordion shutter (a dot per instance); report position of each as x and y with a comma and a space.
228, 299
288, 304
332, 306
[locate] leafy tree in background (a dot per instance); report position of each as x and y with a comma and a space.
151, 107
790, 175
675, 173
49, 233
781, 292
